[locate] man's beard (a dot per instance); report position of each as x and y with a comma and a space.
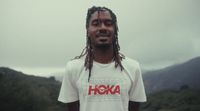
103, 46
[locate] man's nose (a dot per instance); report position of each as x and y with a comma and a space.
102, 26
102, 30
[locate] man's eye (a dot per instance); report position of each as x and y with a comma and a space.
108, 23
95, 23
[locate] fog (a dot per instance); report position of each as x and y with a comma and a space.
40, 36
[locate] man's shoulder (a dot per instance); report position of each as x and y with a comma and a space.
130, 62
75, 63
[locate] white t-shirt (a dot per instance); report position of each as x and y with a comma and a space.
109, 88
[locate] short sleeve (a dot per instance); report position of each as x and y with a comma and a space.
137, 91
68, 92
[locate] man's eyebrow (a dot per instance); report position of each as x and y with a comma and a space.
95, 20
101, 20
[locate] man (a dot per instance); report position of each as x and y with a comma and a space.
102, 79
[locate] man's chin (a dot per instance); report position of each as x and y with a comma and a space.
103, 46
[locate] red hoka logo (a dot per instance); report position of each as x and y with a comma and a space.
104, 89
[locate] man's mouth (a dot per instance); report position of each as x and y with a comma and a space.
103, 39
103, 35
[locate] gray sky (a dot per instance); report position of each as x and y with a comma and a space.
40, 36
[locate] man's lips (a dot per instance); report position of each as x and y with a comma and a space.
103, 35
103, 38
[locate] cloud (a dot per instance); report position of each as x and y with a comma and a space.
49, 33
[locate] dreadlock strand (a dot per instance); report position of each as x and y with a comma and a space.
90, 65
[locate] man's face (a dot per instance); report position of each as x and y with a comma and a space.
101, 29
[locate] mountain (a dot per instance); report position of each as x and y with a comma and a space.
181, 100
174, 77
20, 92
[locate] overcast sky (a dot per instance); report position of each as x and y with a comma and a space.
40, 36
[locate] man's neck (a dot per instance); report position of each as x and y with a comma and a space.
103, 56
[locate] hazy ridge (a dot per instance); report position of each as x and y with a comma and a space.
173, 77
175, 88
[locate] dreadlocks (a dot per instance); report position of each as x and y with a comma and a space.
88, 51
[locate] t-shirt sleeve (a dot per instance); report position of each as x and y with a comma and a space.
68, 92
137, 91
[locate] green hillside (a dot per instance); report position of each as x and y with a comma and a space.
183, 100
19, 92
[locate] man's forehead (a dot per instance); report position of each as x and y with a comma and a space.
102, 14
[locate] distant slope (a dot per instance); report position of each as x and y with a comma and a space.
19, 92
173, 77
182, 100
